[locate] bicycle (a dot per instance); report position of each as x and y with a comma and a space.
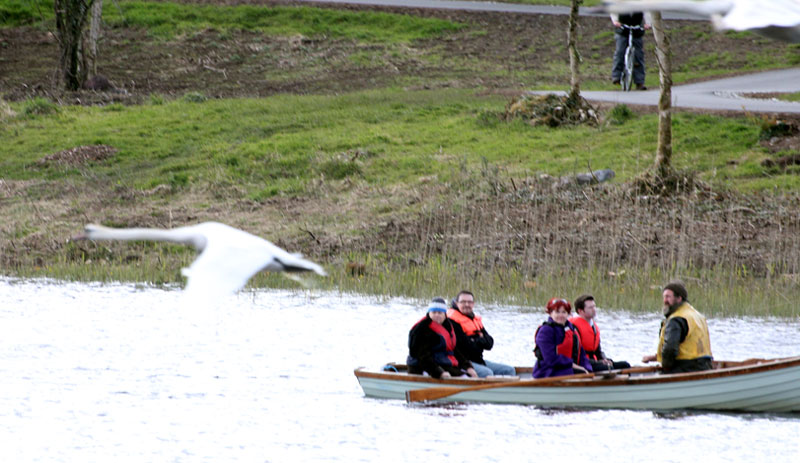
626, 79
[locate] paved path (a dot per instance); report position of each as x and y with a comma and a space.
722, 94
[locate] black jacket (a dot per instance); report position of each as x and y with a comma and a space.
473, 346
631, 19
423, 343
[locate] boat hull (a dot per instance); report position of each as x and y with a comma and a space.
766, 386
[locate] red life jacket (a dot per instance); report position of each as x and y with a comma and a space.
470, 326
590, 338
449, 341
570, 347
567, 346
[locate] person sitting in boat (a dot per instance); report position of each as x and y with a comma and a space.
472, 338
432, 346
589, 333
558, 347
684, 343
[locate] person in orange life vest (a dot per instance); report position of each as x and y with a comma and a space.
589, 333
472, 337
432, 345
684, 343
558, 347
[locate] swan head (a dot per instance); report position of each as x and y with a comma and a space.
87, 233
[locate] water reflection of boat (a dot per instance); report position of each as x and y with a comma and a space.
756, 385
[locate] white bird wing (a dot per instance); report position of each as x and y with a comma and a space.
701, 8
221, 269
228, 257
231, 257
777, 19
750, 14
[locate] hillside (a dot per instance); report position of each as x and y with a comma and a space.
370, 137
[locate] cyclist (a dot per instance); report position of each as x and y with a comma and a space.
621, 35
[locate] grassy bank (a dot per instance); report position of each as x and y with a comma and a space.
282, 146
429, 191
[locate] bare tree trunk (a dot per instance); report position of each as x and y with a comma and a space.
70, 22
663, 164
94, 35
574, 56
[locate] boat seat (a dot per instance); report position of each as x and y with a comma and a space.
501, 378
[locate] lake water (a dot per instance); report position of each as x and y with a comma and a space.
102, 373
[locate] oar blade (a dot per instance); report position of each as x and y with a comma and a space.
433, 393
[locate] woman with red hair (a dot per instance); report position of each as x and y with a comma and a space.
558, 347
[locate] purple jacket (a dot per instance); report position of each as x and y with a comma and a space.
551, 363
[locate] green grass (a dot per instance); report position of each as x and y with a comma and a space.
277, 145
790, 96
168, 20
24, 12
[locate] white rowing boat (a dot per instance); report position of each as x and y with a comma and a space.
756, 385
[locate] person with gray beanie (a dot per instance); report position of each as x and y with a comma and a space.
432, 345
684, 343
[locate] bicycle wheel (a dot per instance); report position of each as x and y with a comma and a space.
627, 71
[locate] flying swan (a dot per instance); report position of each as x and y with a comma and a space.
776, 19
228, 258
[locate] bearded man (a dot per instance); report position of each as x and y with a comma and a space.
684, 343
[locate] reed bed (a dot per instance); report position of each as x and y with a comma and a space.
526, 241
521, 242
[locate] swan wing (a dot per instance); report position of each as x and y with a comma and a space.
222, 270
232, 256
777, 19
705, 8
228, 257
751, 14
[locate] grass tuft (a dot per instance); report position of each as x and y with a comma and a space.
620, 114
39, 106
195, 97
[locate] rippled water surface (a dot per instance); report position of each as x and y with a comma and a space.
121, 373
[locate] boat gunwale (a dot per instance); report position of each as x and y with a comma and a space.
746, 367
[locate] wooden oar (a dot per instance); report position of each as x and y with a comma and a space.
434, 393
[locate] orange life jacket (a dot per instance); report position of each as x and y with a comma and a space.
590, 338
470, 326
